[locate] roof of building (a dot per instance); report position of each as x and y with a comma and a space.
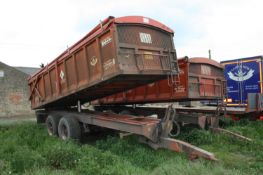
28, 70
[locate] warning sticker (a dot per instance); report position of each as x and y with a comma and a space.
62, 75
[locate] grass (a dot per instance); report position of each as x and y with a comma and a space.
26, 148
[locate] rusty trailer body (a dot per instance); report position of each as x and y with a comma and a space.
199, 79
118, 54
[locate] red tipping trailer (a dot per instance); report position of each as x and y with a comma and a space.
118, 54
199, 79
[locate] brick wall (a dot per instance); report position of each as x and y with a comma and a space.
14, 92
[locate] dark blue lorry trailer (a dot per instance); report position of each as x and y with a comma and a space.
244, 81
244, 90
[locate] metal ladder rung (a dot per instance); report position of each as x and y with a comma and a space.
174, 70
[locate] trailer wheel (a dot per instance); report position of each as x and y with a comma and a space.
69, 128
52, 124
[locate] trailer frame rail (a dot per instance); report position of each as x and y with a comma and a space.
152, 131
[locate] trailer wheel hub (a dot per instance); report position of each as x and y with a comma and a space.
64, 133
49, 128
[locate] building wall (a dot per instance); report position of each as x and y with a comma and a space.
14, 92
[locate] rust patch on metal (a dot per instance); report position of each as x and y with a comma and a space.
174, 146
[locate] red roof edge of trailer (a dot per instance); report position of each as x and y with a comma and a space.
143, 20
205, 60
98, 29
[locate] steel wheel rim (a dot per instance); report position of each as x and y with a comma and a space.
50, 128
64, 132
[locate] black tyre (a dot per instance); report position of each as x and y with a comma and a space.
69, 128
52, 124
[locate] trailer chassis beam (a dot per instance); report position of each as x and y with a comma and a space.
144, 126
152, 131
173, 144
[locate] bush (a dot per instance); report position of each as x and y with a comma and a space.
26, 148
197, 136
62, 155
22, 158
5, 167
99, 162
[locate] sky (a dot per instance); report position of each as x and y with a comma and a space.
37, 31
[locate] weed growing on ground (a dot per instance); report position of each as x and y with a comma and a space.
26, 148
